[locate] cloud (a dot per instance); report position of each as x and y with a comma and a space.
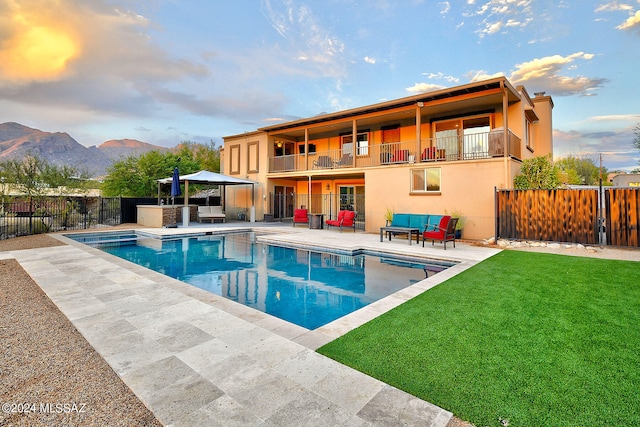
614, 6
35, 45
369, 60
441, 76
107, 65
501, 15
616, 117
477, 76
545, 74
297, 24
430, 87
614, 146
632, 23
424, 87
84, 55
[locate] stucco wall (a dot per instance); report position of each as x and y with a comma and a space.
466, 187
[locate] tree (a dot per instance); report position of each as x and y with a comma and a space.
34, 176
579, 171
137, 176
636, 143
207, 155
537, 173
25, 174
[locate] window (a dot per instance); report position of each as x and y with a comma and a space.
351, 197
528, 135
425, 180
464, 138
362, 147
235, 159
312, 148
253, 157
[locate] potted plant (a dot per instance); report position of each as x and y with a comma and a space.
388, 216
461, 221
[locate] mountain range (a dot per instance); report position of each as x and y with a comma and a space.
60, 149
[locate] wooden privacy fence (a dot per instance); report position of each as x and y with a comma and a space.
570, 215
548, 215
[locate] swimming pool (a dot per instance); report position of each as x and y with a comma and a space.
305, 287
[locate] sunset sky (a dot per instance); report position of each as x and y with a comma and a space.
166, 71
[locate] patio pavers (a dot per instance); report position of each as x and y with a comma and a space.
195, 358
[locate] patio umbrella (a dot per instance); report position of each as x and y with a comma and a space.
175, 191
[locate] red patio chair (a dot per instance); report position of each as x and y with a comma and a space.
345, 219
300, 216
400, 156
444, 232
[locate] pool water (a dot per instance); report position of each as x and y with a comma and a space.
304, 287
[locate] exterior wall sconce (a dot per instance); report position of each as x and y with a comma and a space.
328, 187
279, 144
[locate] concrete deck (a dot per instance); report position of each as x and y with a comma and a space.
195, 358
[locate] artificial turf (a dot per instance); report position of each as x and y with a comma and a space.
521, 339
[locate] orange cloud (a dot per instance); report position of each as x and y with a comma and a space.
35, 47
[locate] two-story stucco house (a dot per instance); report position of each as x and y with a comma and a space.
438, 152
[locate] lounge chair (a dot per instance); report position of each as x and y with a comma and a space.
345, 219
444, 232
300, 216
345, 161
323, 162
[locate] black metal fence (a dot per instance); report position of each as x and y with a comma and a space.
21, 216
281, 205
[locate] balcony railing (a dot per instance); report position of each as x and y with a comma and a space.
468, 147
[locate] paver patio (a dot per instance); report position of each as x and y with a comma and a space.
195, 358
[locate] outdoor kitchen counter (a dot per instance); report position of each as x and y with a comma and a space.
160, 216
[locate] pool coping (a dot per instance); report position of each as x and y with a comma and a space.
196, 358
315, 338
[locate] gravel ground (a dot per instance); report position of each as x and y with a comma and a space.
44, 361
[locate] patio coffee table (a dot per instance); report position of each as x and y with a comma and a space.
401, 230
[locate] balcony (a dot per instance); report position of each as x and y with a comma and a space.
468, 147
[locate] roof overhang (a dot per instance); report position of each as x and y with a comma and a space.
443, 95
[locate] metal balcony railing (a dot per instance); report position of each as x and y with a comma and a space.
467, 147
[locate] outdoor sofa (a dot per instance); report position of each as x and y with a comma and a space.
210, 213
409, 224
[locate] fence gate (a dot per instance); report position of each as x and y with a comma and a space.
622, 213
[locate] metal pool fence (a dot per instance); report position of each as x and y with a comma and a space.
21, 216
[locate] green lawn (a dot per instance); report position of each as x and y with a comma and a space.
535, 339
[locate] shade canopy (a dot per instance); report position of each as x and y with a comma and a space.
207, 177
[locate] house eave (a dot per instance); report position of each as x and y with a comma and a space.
413, 100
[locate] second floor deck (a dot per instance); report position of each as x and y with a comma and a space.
469, 147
